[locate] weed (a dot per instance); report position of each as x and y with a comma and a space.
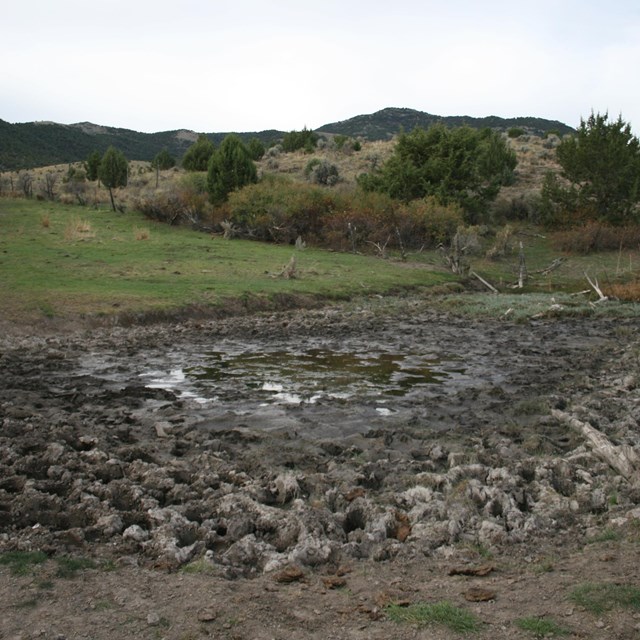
77, 229
598, 598
546, 565
69, 567
45, 585
20, 563
443, 613
197, 566
605, 535
541, 627
29, 603
141, 233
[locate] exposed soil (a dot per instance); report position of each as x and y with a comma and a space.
214, 505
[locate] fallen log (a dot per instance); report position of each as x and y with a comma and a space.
484, 282
622, 458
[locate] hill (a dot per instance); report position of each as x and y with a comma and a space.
384, 124
37, 144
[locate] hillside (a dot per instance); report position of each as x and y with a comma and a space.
384, 124
37, 144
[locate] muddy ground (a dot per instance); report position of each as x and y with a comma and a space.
289, 475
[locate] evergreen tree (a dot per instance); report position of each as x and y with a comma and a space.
113, 171
462, 166
92, 165
602, 163
198, 154
163, 160
230, 168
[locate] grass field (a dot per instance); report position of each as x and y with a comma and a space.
63, 260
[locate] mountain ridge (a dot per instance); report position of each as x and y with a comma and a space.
32, 144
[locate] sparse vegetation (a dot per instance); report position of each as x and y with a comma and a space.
439, 613
21, 563
600, 597
542, 627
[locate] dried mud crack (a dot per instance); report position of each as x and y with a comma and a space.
222, 512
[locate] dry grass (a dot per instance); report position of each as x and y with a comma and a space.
78, 229
141, 233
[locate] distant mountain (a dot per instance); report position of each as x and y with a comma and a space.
384, 124
37, 144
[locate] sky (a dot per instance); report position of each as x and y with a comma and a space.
251, 65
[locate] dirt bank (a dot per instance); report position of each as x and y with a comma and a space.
289, 474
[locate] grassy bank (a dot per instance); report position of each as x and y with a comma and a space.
61, 261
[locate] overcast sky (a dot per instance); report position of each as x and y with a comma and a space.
249, 65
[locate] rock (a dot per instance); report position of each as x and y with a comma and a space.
207, 615
136, 533
153, 619
479, 594
289, 574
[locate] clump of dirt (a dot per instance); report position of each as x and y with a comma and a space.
235, 517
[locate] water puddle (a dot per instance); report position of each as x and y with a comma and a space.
305, 376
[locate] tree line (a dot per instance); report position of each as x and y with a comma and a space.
461, 167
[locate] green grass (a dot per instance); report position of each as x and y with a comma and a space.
69, 567
21, 563
440, 613
606, 535
541, 627
89, 261
601, 597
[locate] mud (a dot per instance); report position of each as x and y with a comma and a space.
377, 435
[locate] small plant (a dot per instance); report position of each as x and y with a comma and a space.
69, 567
198, 566
20, 563
606, 535
598, 598
78, 229
541, 627
141, 233
443, 613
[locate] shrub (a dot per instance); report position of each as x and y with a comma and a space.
230, 168
295, 140
594, 236
515, 132
322, 172
279, 210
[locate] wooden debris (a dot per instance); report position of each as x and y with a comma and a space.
289, 272
479, 570
334, 582
596, 287
484, 282
622, 458
479, 594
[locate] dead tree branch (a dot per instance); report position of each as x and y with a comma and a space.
622, 458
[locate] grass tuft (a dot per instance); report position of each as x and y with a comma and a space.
541, 627
442, 613
598, 598
20, 563
69, 567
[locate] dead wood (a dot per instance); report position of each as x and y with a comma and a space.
622, 458
484, 282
